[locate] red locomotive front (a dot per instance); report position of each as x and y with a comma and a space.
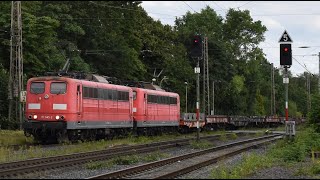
51, 101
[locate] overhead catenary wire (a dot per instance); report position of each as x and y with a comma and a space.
245, 4
190, 6
301, 65
223, 9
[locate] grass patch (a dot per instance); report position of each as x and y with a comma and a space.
233, 136
249, 165
209, 132
223, 137
259, 134
154, 156
202, 144
9, 137
99, 165
126, 160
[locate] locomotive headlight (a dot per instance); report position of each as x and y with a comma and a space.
57, 117
35, 117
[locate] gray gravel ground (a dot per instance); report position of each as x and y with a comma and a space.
81, 172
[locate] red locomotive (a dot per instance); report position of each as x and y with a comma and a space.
155, 111
61, 108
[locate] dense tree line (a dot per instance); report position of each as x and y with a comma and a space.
119, 39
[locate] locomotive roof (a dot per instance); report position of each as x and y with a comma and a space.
98, 79
155, 91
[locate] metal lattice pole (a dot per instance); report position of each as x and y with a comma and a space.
15, 84
207, 78
198, 100
271, 92
206, 93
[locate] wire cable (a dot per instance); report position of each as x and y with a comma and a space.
190, 7
244, 4
302, 65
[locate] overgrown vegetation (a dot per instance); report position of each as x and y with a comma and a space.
284, 152
233, 136
127, 160
8, 154
223, 137
249, 165
201, 144
8, 137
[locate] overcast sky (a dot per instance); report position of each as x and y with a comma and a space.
301, 19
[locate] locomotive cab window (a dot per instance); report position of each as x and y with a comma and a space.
37, 88
58, 88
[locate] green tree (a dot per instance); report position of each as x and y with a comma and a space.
314, 113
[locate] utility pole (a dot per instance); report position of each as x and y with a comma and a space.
286, 82
271, 92
274, 92
308, 92
197, 71
15, 84
212, 113
206, 85
186, 83
197, 52
319, 75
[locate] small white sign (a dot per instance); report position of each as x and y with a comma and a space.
286, 80
197, 70
23, 96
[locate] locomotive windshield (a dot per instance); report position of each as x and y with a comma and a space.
37, 87
58, 88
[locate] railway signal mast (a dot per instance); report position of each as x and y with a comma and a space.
197, 53
286, 61
15, 84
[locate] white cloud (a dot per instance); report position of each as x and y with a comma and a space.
271, 24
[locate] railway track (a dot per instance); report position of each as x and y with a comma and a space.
179, 165
16, 168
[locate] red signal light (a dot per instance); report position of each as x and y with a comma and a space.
195, 40
285, 49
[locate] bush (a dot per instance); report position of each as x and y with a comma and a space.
296, 151
6, 124
313, 116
